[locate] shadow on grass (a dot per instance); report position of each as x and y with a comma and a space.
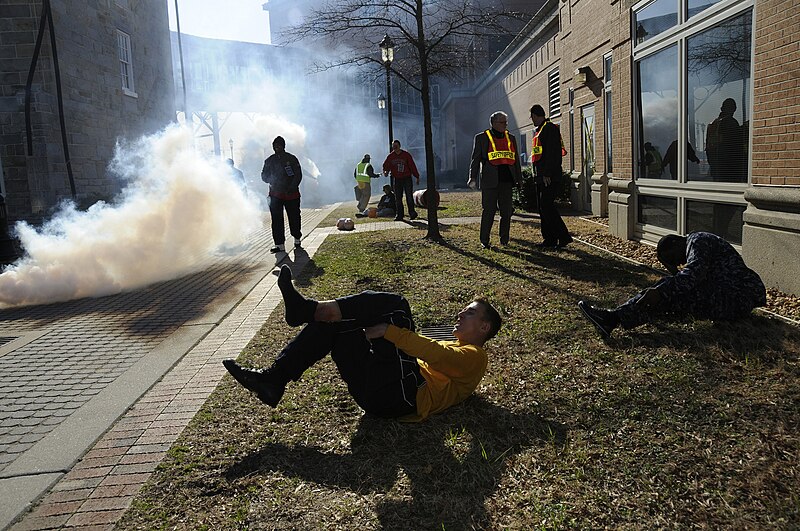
753, 339
436, 474
609, 271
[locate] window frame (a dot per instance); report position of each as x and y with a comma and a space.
682, 189
608, 111
125, 44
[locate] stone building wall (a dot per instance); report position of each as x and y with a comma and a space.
771, 234
97, 112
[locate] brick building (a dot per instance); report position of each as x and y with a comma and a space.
114, 65
678, 115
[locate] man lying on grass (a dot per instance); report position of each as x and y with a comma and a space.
713, 284
390, 370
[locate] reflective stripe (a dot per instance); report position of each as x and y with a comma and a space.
361, 172
536, 147
506, 156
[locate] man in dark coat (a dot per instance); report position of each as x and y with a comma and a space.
495, 158
283, 174
548, 177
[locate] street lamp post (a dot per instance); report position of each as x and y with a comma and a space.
387, 56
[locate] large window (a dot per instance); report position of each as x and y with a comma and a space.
718, 65
692, 92
657, 110
125, 62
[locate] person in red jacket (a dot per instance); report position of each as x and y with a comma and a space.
401, 165
390, 370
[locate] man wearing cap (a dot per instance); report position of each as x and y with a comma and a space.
362, 174
283, 174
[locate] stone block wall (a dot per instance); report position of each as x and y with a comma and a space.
97, 112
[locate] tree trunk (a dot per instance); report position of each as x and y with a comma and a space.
430, 165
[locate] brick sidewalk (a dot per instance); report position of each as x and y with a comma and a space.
81, 364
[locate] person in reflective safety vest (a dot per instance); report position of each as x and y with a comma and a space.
495, 164
363, 190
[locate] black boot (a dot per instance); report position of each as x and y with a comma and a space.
604, 320
267, 385
299, 310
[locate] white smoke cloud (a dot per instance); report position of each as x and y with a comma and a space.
177, 209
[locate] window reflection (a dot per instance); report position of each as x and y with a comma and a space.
656, 18
693, 7
608, 112
659, 211
658, 106
724, 220
719, 85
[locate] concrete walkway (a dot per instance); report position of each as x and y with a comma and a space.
94, 392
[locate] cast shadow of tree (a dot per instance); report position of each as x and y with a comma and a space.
436, 474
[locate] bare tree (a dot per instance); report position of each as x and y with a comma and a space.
431, 38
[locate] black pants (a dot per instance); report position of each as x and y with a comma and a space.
553, 228
401, 187
492, 200
381, 378
276, 208
721, 301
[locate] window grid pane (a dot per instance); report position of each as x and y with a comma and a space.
724, 220
658, 104
125, 67
659, 211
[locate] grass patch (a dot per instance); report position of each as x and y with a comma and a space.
677, 425
451, 205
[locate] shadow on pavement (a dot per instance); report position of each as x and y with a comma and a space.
150, 310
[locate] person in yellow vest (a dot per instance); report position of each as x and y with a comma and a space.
547, 148
362, 174
495, 161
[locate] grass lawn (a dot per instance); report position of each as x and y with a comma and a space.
691, 424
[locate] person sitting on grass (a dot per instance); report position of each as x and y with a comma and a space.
713, 284
390, 370
386, 203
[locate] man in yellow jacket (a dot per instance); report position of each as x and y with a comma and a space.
390, 370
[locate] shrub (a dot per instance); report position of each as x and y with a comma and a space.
525, 196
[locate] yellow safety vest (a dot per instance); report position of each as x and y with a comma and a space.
498, 157
536, 146
361, 172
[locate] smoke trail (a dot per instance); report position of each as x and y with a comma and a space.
176, 210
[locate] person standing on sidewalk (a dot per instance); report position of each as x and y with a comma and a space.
401, 165
546, 161
495, 158
283, 174
390, 370
362, 174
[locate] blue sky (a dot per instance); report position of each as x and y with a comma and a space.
241, 20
